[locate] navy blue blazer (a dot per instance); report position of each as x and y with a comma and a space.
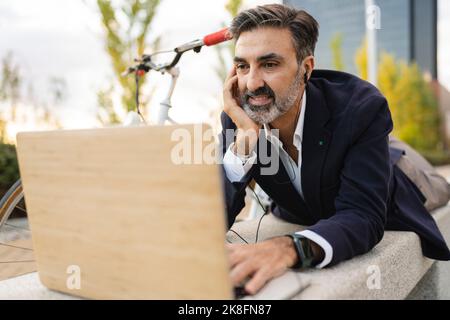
353, 190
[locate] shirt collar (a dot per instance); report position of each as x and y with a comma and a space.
298, 133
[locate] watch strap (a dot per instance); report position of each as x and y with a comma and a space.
304, 251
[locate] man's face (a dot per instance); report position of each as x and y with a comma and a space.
269, 77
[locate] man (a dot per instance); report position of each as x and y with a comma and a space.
329, 131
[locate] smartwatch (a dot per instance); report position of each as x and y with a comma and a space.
304, 251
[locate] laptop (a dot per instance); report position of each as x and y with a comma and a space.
113, 216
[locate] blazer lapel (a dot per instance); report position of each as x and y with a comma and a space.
315, 142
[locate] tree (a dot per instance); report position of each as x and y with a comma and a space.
413, 106
11, 94
2, 131
336, 49
9, 166
387, 82
416, 110
361, 61
126, 32
11, 97
10, 83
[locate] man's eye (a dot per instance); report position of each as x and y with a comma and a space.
241, 66
269, 65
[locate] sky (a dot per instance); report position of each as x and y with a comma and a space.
54, 38
65, 39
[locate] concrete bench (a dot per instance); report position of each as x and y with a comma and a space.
397, 259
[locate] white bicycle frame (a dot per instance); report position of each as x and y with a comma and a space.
165, 105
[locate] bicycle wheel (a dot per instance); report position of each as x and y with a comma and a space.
10, 201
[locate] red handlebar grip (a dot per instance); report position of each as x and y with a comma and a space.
217, 37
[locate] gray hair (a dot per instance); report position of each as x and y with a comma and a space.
303, 27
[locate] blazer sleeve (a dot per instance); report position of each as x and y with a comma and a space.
361, 203
234, 191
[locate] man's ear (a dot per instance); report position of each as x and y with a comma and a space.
307, 74
309, 65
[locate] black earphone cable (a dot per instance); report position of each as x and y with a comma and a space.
259, 222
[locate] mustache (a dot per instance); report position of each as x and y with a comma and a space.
266, 90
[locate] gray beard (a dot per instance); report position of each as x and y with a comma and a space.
267, 113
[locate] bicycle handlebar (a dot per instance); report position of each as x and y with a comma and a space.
217, 37
145, 63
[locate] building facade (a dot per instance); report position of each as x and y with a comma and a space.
408, 30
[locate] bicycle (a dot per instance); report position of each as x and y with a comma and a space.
10, 201
15, 195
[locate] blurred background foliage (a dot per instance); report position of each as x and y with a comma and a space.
414, 106
127, 31
336, 49
9, 168
9, 91
19, 105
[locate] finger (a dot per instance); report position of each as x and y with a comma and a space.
231, 75
228, 97
232, 72
229, 83
236, 257
259, 279
229, 101
241, 271
236, 253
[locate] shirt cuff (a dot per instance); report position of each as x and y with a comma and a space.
324, 244
236, 166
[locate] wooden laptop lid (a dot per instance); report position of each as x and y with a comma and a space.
112, 215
